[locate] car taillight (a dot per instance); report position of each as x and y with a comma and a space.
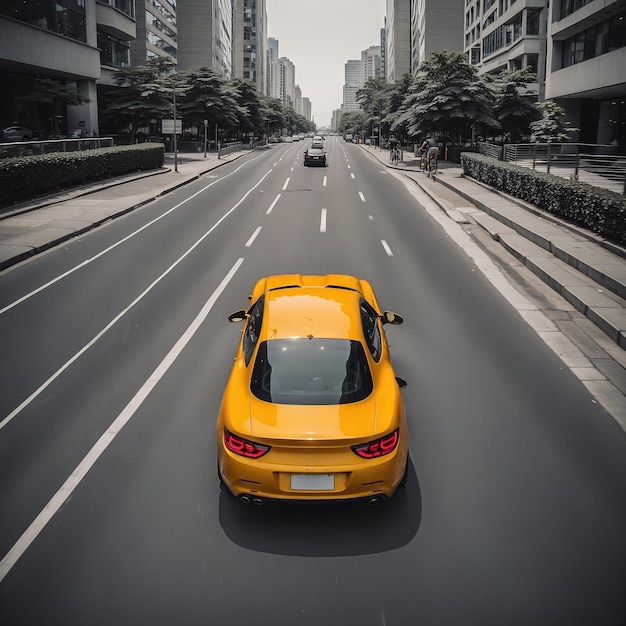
378, 447
244, 447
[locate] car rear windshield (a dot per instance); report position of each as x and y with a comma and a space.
311, 371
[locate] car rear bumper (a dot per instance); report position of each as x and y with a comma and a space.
376, 478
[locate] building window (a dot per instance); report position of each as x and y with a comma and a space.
64, 17
124, 6
532, 21
113, 52
605, 37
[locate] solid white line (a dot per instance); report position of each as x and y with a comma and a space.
361, 196
272, 205
68, 487
286, 183
386, 247
254, 236
323, 222
120, 242
324, 182
88, 345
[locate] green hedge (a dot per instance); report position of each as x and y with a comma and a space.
599, 210
26, 177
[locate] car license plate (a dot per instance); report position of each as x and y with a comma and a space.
313, 482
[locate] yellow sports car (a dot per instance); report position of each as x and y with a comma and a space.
312, 409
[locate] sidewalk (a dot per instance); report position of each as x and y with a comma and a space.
587, 271
34, 226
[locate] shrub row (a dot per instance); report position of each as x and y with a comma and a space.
599, 210
30, 176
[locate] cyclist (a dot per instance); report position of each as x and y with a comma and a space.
394, 146
431, 148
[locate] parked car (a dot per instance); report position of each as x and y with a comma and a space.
312, 409
315, 156
17, 133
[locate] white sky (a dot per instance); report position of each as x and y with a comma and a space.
318, 37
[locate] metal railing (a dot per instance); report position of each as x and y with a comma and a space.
29, 148
595, 164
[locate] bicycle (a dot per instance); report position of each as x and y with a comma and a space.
432, 165
395, 156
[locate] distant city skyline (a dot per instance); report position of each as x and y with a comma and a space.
319, 38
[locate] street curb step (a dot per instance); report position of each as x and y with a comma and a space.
606, 310
606, 267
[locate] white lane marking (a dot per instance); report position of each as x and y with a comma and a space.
352, 175
90, 343
253, 237
286, 183
386, 247
323, 221
292, 169
68, 487
349, 167
272, 205
324, 181
361, 196
120, 242
370, 217
275, 164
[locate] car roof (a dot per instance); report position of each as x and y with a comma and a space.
312, 306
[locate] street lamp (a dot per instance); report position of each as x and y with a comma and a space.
175, 138
206, 123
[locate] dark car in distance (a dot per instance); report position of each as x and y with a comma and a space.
315, 156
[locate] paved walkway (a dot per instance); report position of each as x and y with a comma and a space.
589, 272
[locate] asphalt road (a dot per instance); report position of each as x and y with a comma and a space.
115, 352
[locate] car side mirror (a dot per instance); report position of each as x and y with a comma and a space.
237, 316
388, 317
401, 382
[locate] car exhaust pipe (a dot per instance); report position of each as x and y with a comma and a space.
258, 501
375, 500
245, 499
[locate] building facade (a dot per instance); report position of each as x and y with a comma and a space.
586, 67
250, 42
398, 39
205, 35
157, 34
507, 35
435, 26
370, 63
78, 44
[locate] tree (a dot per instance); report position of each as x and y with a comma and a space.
374, 100
447, 97
551, 128
352, 122
139, 97
515, 105
204, 94
252, 118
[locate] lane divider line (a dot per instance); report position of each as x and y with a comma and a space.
323, 221
120, 242
253, 237
272, 205
361, 196
386, 247
286, 183
157, 280
68, 487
